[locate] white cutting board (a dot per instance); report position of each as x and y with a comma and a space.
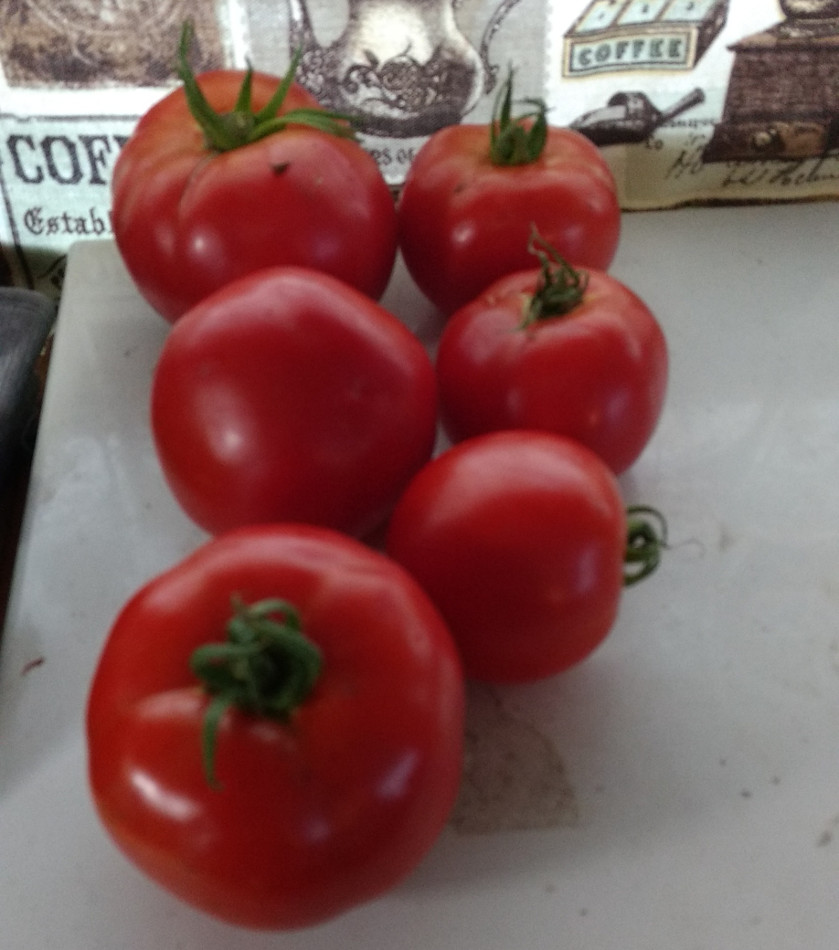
677, 791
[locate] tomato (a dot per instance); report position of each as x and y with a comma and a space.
290, 396
330, 797
197, 204
570, 352
473, 192
519, 538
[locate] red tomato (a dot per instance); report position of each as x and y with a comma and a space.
465, 216
519, 539
290, 396
590, 362
318, 807
189, 217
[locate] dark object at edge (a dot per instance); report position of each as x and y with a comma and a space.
26, 318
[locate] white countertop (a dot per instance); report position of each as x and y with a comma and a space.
687, 773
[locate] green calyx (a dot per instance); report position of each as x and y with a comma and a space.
646, 538
559, 289
267, 667
516, 140
224, 131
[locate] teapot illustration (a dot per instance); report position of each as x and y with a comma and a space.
401, 67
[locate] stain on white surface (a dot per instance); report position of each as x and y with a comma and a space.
514, 778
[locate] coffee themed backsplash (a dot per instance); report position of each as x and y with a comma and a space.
691, 101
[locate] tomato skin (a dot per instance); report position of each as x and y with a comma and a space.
464, 222
312, 816
597, 374
518, 538
290, 396
188, 220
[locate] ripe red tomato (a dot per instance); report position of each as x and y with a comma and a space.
322, 797
519, 539
473, 193
575, 353
190, 215
290, 396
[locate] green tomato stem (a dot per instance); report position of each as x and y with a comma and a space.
267, 667
646, 538
560, 287
225, 131
516, 140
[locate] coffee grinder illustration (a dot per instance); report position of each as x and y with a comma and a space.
782, 100
402, 67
